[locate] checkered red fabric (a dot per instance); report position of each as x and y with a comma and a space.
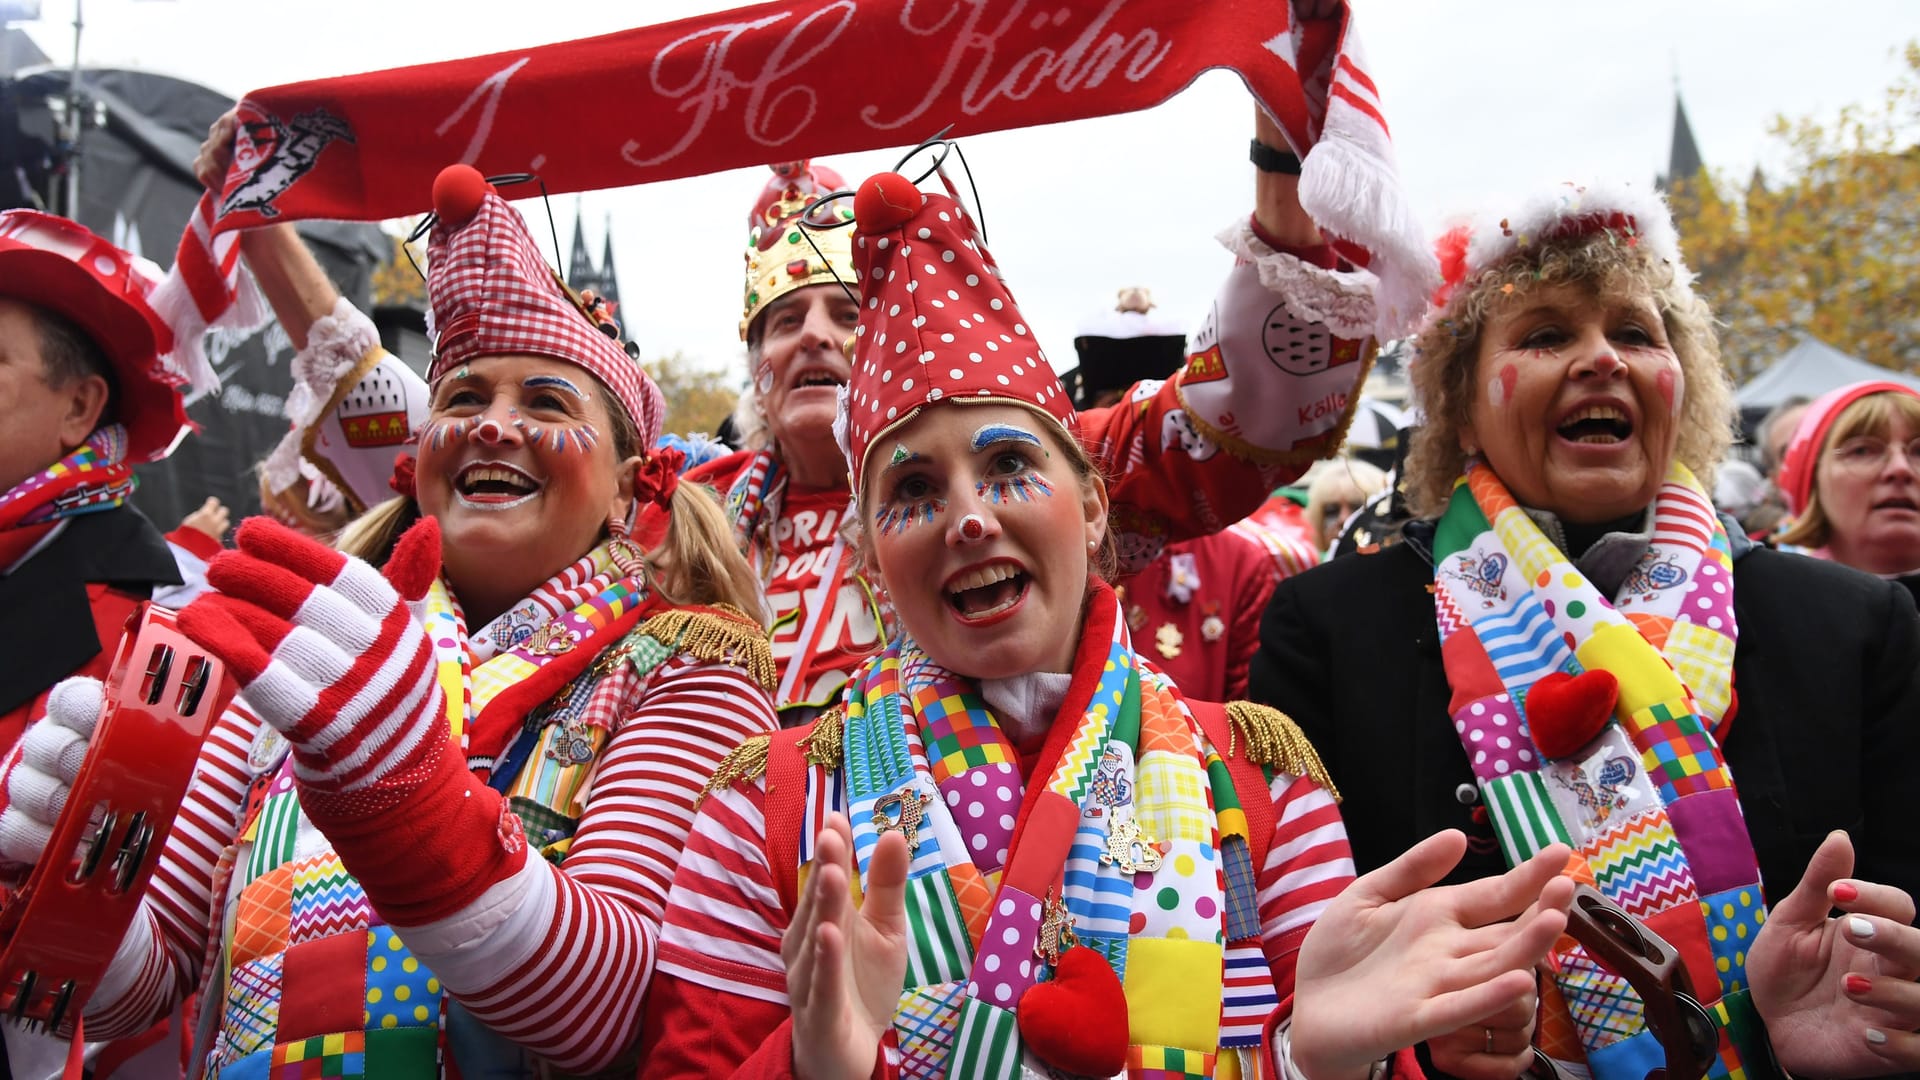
491, 294
937, 322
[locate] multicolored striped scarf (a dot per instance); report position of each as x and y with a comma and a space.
1647, 804
94, 477
988, 856
474, 669
754, 499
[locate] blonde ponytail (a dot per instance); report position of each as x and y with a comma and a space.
701, 565
371, 536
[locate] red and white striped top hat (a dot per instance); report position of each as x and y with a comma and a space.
937, 324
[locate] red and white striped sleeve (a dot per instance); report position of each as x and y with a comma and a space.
160, 959
718, 1007
1308, 863
558, 959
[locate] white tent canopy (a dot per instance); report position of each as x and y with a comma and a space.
1810, 369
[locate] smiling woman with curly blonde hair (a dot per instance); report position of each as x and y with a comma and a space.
1570, 632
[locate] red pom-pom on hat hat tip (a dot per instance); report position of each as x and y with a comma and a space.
457, 193
885, 202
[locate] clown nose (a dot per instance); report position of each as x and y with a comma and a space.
885, 202
457, 192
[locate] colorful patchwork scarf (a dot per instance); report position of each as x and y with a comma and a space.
570, 607
1130, 784
94, 477
1647, 801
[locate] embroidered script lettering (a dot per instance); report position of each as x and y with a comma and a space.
710, 86
1092, 57
491, 90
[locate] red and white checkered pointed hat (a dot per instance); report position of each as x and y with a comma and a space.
937, 324
490, 293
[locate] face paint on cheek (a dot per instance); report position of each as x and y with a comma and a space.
582, 438
891, 519
1667, 383
440, 434
1024, 488
763, 376
1500, 387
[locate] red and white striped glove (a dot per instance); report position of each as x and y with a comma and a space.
327, 649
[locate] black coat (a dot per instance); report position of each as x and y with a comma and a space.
1827, 734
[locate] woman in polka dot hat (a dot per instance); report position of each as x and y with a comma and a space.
446, 806
1072, 868
1573, 648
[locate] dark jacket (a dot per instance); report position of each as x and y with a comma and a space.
1826, 736
62, 611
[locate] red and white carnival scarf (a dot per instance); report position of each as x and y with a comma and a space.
797, 79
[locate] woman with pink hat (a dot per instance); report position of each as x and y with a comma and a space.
1072, 868
1851, 475
435, 835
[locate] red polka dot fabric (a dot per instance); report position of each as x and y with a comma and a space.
492, 294
937, 324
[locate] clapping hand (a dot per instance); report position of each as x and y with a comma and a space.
1838, 995
1396, 961
845, 965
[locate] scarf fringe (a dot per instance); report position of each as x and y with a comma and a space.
718, 634
1272, 738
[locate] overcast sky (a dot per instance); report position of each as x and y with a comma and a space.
1484, 98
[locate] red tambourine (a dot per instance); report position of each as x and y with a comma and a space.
59, 932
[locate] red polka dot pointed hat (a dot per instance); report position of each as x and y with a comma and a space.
936, 322
490, 293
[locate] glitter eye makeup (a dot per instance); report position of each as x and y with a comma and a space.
1008, 489
891, 519
1003, 433
552, 382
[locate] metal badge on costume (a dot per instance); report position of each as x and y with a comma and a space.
61, 929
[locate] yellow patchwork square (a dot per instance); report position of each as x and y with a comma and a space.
1173, 993
1170, 798
1645, 678
1704, 658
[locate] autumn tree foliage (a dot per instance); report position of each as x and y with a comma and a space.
1831, 249
698, 397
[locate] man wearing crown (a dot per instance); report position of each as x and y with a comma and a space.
1291, 330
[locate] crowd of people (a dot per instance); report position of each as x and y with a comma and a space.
965, 721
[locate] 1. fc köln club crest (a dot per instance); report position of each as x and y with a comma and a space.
271, 153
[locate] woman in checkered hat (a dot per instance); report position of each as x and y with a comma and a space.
435, 834
1072, 868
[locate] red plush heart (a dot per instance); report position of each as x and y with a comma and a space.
1077, 1022
1565, 712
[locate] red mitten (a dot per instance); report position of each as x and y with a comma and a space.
327, 649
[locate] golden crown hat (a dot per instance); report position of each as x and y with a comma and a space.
781, 255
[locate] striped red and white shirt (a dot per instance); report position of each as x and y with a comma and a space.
556, 959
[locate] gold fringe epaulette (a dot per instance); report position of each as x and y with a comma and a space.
825, 745
1272, 738
748, 761
718, 634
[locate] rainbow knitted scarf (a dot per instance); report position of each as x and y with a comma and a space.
1647, 803
94, 477
986, 857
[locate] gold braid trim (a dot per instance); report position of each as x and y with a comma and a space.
824, 745
748, 761
1273, 738
718, 634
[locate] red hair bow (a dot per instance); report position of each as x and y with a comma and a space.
402, 480
657, 477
